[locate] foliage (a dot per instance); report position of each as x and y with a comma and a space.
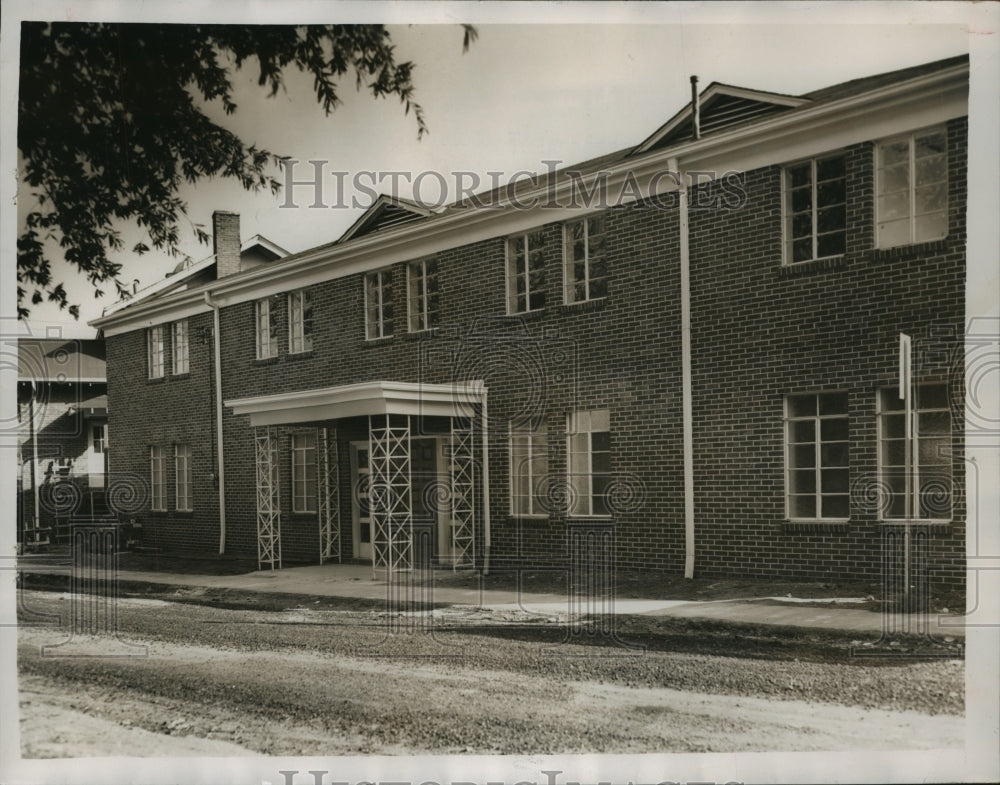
111, 124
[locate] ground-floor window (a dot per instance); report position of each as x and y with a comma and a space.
589, 461
529, 468
817, 453
304, 472
182, 467
157, 478
928, 478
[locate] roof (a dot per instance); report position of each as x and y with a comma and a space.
187, 270
60, 360
723, 106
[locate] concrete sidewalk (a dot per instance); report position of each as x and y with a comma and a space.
355, 581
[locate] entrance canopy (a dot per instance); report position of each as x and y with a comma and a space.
351, 400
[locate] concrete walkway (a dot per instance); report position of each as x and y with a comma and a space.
355, 581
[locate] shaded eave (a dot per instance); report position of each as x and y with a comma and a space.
366, 398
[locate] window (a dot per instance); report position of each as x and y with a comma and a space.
99, 437
267, 328
304, 472
815, 209
816, 450
378, 304
156, 352
930, 475
526, 272
912, 204
422, 285
157, 478
586, 269
299, 322
529, 469
589, 460
180, 347
182, 468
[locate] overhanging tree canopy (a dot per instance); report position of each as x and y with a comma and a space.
111, 124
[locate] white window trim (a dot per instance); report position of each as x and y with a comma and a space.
910, 137
880, 464
510, 275
378, 276
157, 478
156, 372
293, 450
187, 505
786, 255
297, 327
570, 433
511, 433
818, 466
264, 322
180, 339
567, 262
411, 300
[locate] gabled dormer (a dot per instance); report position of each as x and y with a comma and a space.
386, 212
719, 107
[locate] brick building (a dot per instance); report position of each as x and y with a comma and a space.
686, 351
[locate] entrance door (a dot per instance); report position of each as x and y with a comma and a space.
360, 501
431, 500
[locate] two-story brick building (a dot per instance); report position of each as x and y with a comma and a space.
687, 350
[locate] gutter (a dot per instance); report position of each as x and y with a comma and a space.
686, 395
486, 487
220, 454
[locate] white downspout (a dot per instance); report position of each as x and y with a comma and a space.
220, 460
486, 487
34, 456
686, 406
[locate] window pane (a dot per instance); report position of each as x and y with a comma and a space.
801, 200
802, 250
833, 192
801, 405
802, 225
931, 170
934, 452
802, 456
803, 431
894, 152
933, 144
799, 175
894, 178
834, 454
893, 452
833, 430
831, 244
893, 426
833, 403
836, 506
932, 226
933, 423
830, 218
802, 506
834, 480
932, 396
892, 206
893, 233
931, 198
802, 481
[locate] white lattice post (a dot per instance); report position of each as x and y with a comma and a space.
462, 467
268, 499
390, 495
329, 498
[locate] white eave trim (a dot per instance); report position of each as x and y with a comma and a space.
352, 400
459, 226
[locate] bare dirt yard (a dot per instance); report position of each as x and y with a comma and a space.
321, 681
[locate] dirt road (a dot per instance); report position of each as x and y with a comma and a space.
309, 682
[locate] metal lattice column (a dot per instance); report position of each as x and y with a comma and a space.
463, 493
329, 498
390, 494
268, 499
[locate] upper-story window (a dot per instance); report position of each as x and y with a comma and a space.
589, 461
266, 328
378, 304
180, 347
816, 457
586, 267
156, 352
422, 294
912, 188
815, 209
526, 272
299, 322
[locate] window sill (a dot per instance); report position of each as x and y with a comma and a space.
293, 356
812, 266
897, 252
584, 306
916, 522
416, 335
525, 316
181, 376
816, 525
373, 342
156, 379
266, 360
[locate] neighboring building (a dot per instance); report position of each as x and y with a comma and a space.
62, 412
702, 382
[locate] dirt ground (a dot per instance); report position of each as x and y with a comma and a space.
328, 682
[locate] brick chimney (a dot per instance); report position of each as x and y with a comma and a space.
226, 242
